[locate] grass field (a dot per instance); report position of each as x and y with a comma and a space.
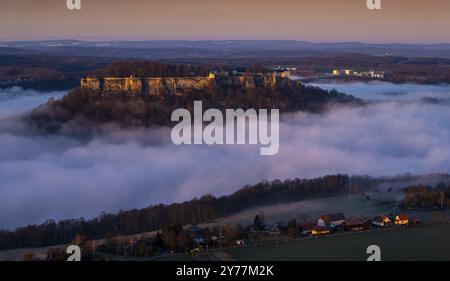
311, 209
427, 243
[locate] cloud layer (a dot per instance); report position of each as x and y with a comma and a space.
58, 177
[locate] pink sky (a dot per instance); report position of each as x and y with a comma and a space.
318, 20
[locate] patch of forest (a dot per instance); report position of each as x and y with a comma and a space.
423, 196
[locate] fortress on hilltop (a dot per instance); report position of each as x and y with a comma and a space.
180, 85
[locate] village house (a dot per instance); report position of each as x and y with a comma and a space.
381, 221
331, 220
401, 220
355, 223
306, 228
319, 230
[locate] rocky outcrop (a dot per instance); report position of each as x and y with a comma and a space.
146, 86
179, 85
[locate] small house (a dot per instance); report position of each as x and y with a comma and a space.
381, 221
355, 223
331, 220
401, 220
320, 230
306, 228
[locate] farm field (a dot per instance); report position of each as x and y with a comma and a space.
426, 243
311, 209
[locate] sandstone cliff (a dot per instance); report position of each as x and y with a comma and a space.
179, 85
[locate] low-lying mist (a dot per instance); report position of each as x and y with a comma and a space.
385, 91
57, 177
15, 101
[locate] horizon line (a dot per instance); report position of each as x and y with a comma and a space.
230, 40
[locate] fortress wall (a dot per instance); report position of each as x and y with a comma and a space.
178, 85
134, 85
169, 86
129, 85
90, 84
194, 83
111, 84
153, 86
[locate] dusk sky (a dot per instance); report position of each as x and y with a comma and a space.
406, 21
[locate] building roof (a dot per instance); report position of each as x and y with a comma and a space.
333, 217
308, 226
380, 219
354, 220
320, 228
402, 217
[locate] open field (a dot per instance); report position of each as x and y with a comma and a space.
311, 209
427, 243
17, 254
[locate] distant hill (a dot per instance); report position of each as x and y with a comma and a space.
171, 48
42, 71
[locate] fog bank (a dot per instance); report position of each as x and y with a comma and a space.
58, 177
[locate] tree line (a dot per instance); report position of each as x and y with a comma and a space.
424, 196
144, 68
195, 211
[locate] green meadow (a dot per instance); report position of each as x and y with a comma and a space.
425, 243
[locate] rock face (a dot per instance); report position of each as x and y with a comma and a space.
178, 85
112, 84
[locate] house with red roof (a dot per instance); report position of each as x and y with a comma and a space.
331, 220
